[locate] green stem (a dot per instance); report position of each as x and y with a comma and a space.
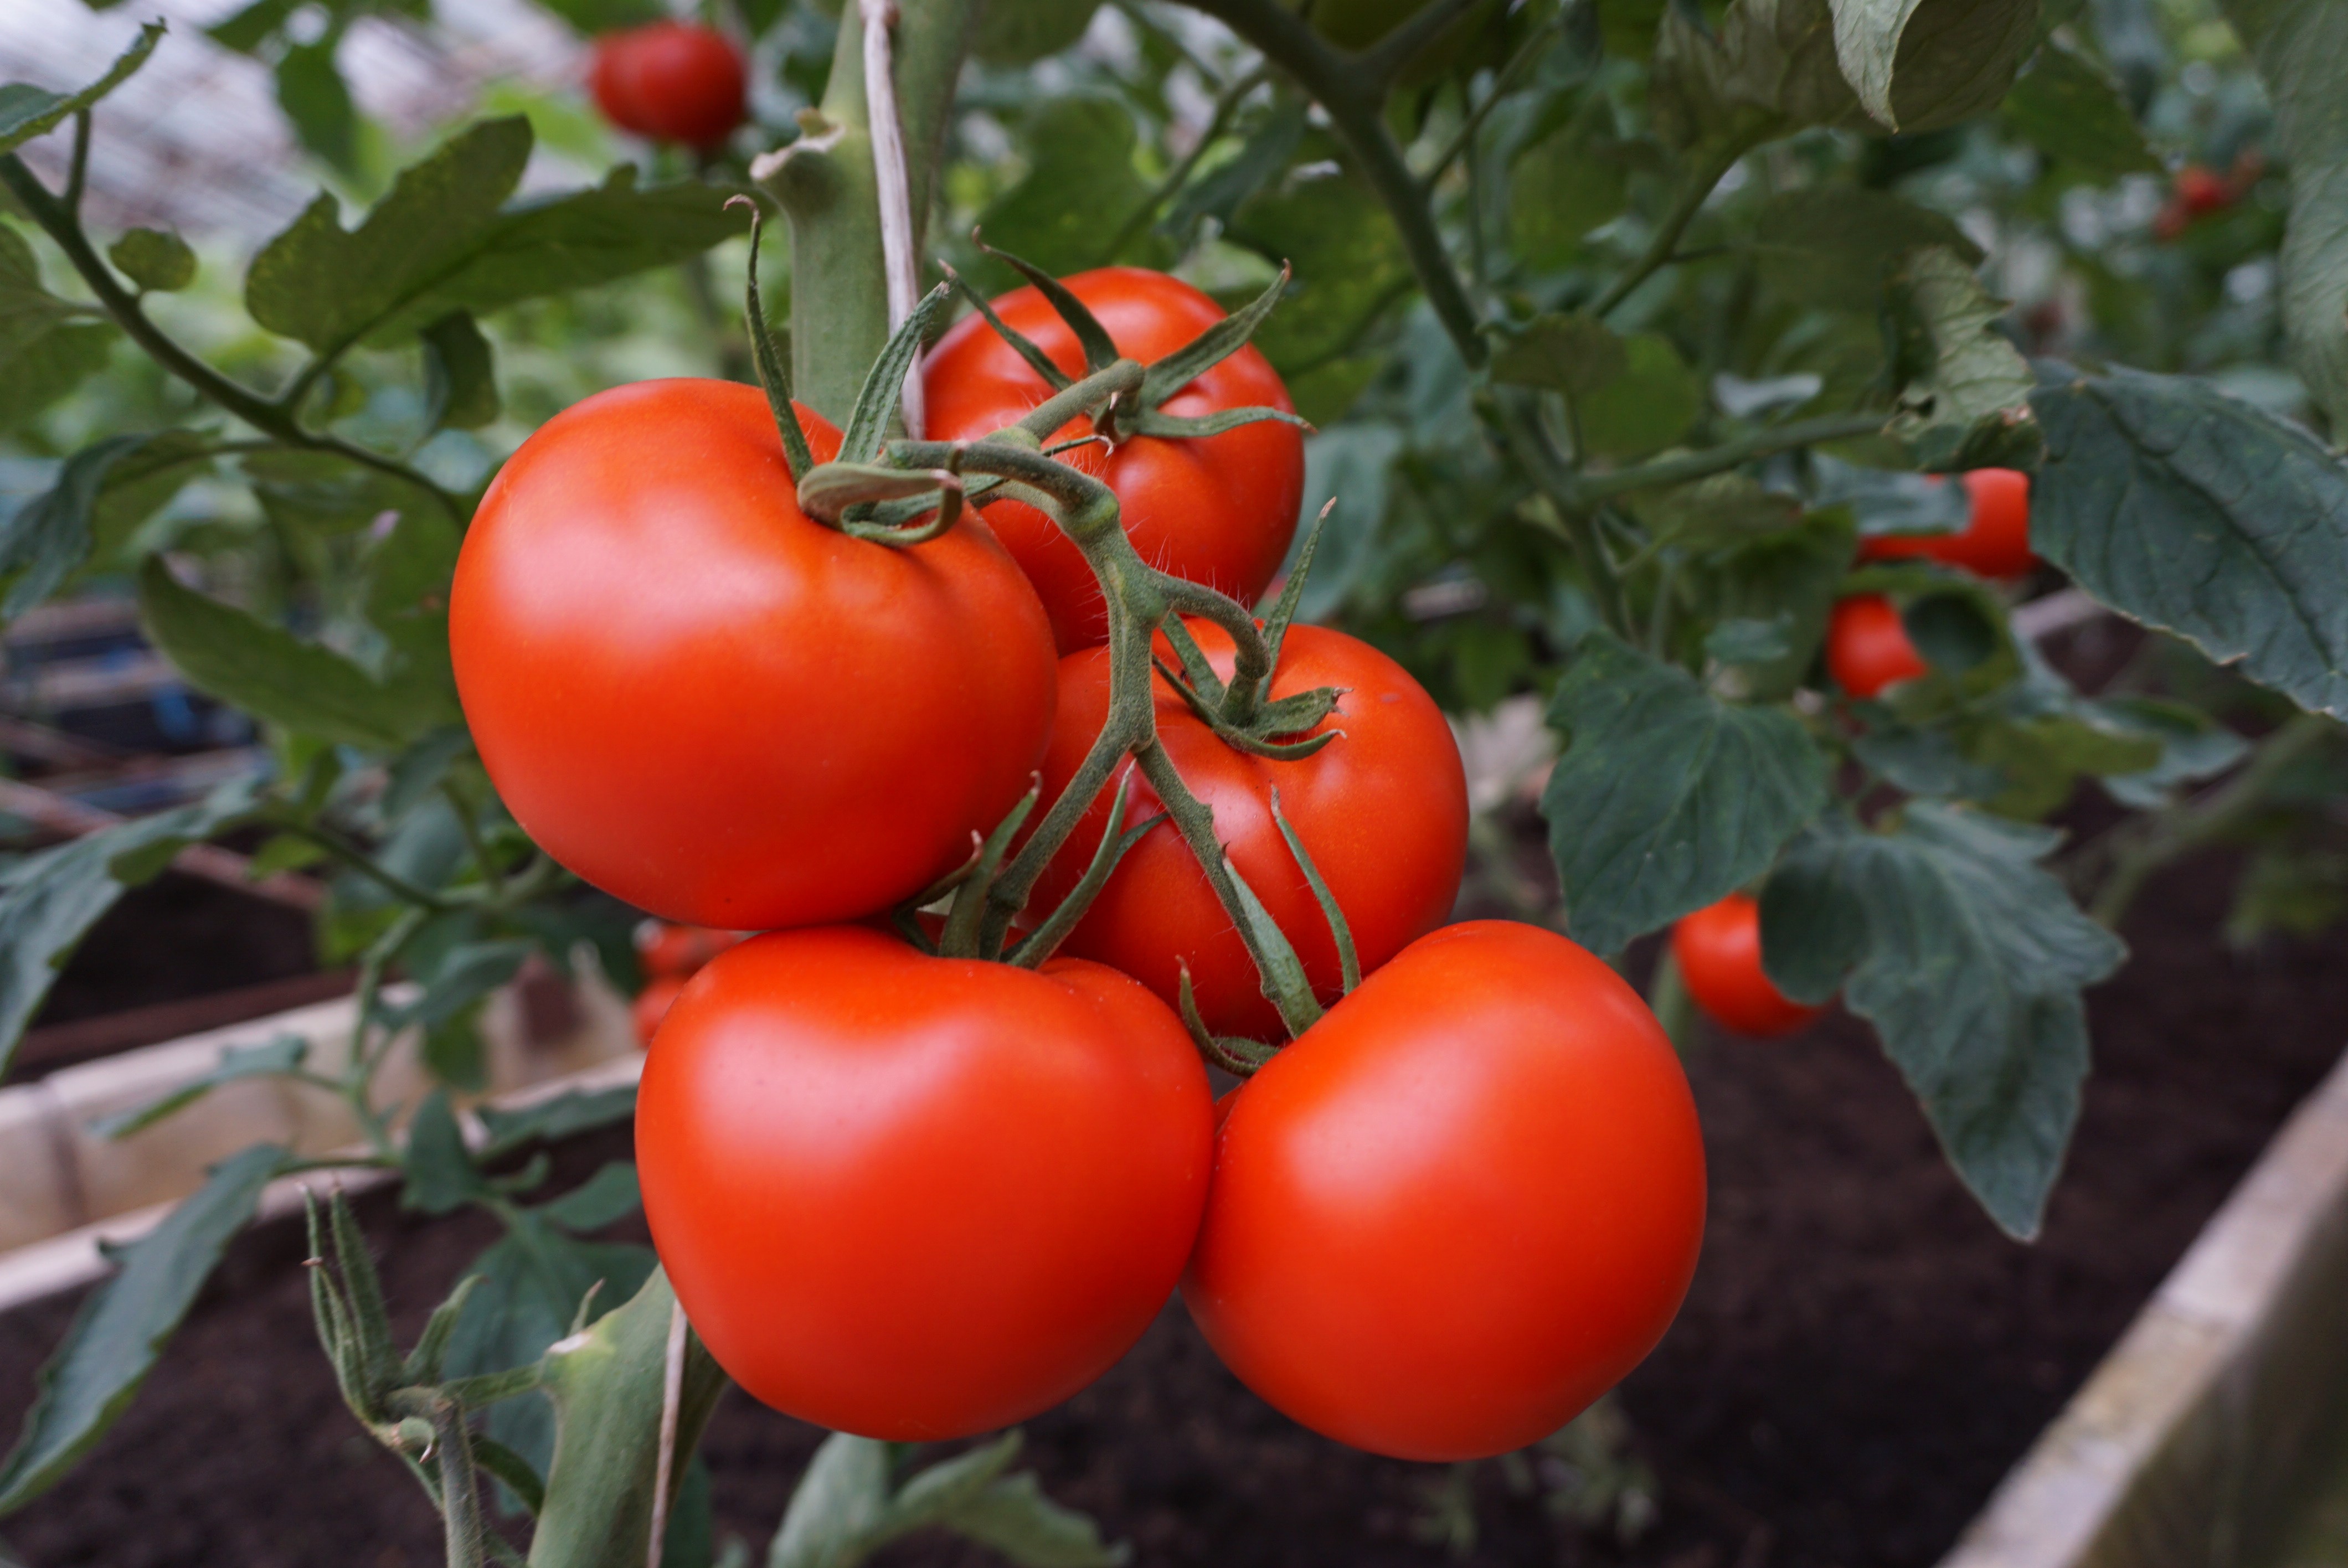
358, 860
2190, 824
1576, 520
57, 220
1385, 59
1683, 212
1747, 448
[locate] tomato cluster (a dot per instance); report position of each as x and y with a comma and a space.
1868, 646
908, 1189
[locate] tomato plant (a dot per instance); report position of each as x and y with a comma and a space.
913, 1197
1382, 809
670, 81
1459, 1207
1868, 646
1995, 541
1718, 950
1218, 510
779, 726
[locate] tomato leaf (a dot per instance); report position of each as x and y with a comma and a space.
1015, 34
274, 675
1348, 263
1833, 245
27, 111
1576, 354
2301, 49
581, 1110
1647, 406
2194, 513
611, 1194
1665, 798
1969, 958
460, 377
2066, 107
318, 102
154, 259
1919, 65
1080, 190
50, 537
843, 1509
122, 1328
1964, 397
281, 1054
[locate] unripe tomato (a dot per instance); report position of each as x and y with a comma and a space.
916, 1198
1383, 810
1995, 541
670, 81
1218, 510
652, 1005
1719, 953
1868, 647
715, 708
1459, 1208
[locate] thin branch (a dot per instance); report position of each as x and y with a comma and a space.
1766, 443
1225, 107
1383, 60
1691, 201
1503, 84
900, 265
78, 171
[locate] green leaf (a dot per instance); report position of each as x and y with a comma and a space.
461, 379
1220, 192
50, 537
1795, 572
1969, 959
464, 975
317, 101
1081, 187
246, 30
1665, 798
1919, 65
843, 1510
1350, 466
1964, 399
27, 111
1027, 30
283, 1054
607, 1386
1717, 512
593, 16
121, 1329
2301, 49
441, 1175
154, 259
1015, 1518
839, 1507
1746, 642
48, 367
611, 1194
1833, 245
2194, 513
1646, 407
581, 1110
1576, 354
1769, 68
271, 673
1924, 761
48, 899
1349, 265
1566, 184
2066, 107
2193, 747
2286, 888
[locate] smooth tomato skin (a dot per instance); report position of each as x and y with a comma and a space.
1382, 810
917, 1198
1868, 646
670, 81
1994, 543
1219, 511
716, 709
1460, 1207
1719, 953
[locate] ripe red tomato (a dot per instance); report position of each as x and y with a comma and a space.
1463, 1206
1382, 810
670, 81
1219, 511
715, 708
2203, 190
1867, 648
1995, 541
1719, 953
652, 1005
916, 1198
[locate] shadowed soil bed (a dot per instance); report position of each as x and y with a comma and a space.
1861, 1359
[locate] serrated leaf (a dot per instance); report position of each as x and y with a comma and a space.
2300, 49
281, 1054
1924, 761
461, 378
2067, 107
1964, 398
27, 111
581, 1110
1834, 245
271, 673
154, 259
1769, 68
1576, 354
48, 899
1646, 407
121, 1329
1919, 65
2194, 513
1892, 501
1665, 799
1969, 959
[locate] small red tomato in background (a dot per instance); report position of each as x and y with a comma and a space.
1868, 647
1994, 543
1460, 1207
2198, 191
1719, 952
712, 706
670, 81
1218, 510
652, 1005
678, 950
916, 1198
1383, 810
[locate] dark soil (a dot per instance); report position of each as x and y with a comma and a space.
1861, 1359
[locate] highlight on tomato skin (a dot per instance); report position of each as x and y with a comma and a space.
1995, 543
918, 1198
1869, 649
671, 81
1218, 509
1460, 1207
1718, 949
